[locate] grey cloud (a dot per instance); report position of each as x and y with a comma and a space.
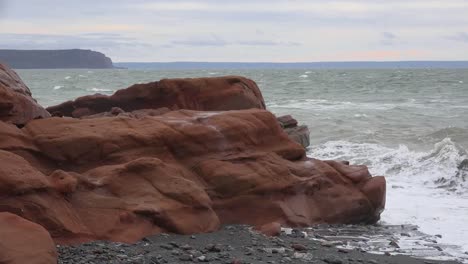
98, 41
266, 43
213, 41
389, 35
460, 36
219, 42
388, 39
259, 32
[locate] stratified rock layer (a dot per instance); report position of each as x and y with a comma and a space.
16, 104
122, 178
22, 241
203, 94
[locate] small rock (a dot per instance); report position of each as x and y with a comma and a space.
394, 244
438, 248
327, 244
213, 248
186, 247
271, 229
166, 246
194, 253
342, 250
202, 259
298, 247
176, 252
332, 260
174, 244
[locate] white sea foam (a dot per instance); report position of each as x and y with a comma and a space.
58, 87
360, 115
326, 105
423, 188
94, 89
304, 76
67, 78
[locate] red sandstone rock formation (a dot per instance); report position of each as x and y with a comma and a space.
122, 178
22, 241
299, 134
120, 175
204, 94
16, 104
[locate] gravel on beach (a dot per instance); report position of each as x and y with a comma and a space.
230, 245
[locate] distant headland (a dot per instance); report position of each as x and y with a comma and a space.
55, 59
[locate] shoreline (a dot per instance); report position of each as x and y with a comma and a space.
231, 244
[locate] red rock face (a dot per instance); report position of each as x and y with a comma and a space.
204, 94
122, 178
16, 104
131, 167
22, 241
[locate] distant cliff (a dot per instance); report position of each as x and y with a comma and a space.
55, 59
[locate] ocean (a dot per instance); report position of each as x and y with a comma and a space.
408, 125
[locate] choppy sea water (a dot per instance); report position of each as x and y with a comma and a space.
409, 125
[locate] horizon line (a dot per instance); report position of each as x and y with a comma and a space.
269, 62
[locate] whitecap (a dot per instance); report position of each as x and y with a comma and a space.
308, 72
434, 184
360, 115
67, 78
99, 90
304, 76
460, 81
325, 105
82, 76
58, 87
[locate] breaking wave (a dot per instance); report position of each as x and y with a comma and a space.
444, 166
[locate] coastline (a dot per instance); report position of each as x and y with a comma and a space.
231, 244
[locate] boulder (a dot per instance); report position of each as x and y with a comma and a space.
203, 94
270, 229
299, 134
22, 241
125, 177
16, 103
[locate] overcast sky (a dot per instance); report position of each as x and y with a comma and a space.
241, 30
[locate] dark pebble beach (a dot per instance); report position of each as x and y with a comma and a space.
230, 245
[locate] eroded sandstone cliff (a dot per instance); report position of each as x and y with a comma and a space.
124, 173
